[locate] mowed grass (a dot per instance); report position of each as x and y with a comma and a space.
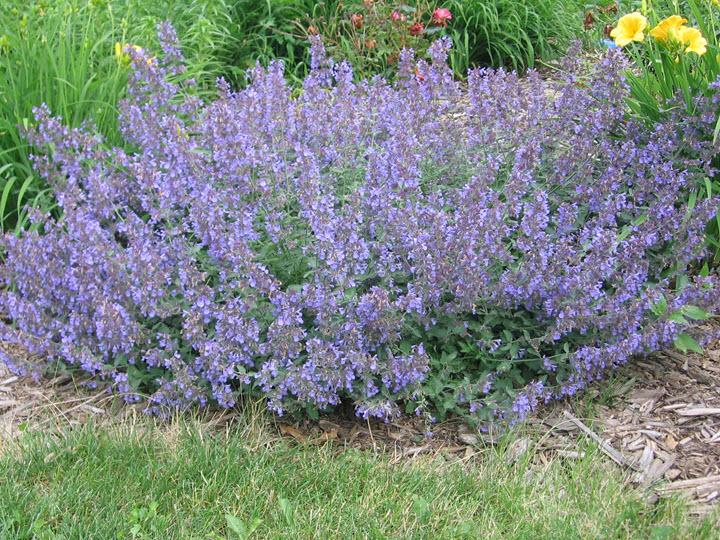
181, 482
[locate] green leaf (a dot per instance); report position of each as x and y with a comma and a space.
660, 307
685, 343
695, 313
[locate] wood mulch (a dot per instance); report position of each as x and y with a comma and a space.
668, 424
658, 420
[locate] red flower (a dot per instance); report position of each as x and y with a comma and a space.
397, 16
441, 16
416, 29
357, 20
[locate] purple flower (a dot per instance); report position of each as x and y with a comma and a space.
310, 246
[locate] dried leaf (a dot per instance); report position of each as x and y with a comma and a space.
325, 437
287, 430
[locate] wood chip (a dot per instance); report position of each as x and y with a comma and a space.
692, 483
670, 441
93, 409
685, 440
570, 454
468, 438
325, 437
701, 509
616, 456
657, 470
699, 411
672, 407
327, 425
415, 450
636, 444
643, 464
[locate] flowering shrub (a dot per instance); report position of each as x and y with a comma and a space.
474, 250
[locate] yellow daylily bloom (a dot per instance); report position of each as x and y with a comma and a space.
630, 28
693, 38
668, 29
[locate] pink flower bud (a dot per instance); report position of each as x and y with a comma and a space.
441, 16
397, 16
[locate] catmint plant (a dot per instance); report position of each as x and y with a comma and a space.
417, 247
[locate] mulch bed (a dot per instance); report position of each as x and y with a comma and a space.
668, 424
658, 420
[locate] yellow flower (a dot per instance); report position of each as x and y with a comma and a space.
123, 58
668, 29
629, 28
119, 54
693, 38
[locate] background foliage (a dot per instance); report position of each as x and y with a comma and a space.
61, 53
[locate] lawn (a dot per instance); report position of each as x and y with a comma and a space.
181, 481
